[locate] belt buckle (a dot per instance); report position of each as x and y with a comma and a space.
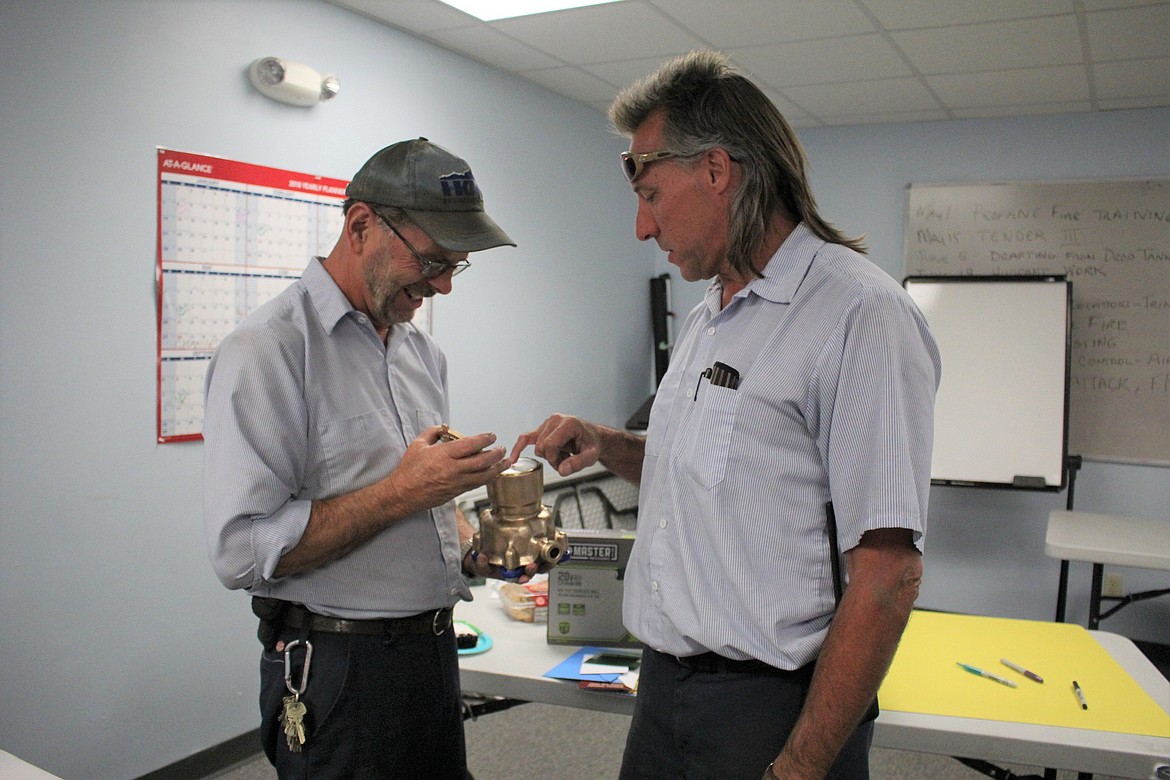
436, 629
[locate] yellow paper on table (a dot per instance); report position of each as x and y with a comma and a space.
925, 676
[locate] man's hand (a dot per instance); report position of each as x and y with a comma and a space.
431, 473
569, 444
885, 572
434, 471
476, 565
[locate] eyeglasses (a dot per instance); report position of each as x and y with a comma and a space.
430, 268
632, 164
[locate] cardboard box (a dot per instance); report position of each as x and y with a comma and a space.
585, 592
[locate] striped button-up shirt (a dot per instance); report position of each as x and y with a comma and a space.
305, 402
835, 403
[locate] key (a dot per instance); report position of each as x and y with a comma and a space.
294, 728
293, 716
287, 723
294, 722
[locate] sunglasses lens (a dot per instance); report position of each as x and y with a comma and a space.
629, 167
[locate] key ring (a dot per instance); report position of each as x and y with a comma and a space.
304, 670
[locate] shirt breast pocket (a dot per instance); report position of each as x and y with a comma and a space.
427, 418
361, 449
704, 447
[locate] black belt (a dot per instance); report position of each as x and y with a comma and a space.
432, 622
713, 663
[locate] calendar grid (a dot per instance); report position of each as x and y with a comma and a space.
231, 236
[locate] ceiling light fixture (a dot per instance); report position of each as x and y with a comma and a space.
491, 10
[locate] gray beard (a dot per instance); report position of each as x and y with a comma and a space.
383, 292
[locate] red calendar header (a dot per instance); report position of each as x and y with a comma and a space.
189, 164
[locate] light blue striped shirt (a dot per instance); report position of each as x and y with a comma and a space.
836, 402
305, 402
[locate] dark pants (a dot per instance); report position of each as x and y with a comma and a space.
720, 725
378, 707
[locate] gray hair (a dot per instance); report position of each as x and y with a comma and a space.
706, 104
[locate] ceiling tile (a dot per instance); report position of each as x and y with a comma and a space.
818, 62
600, 105
600, 33
626, 72
1031, 110
971, 48
887, 117
1133, 79
790, 110
493, 47
852, 49
912, 14
1121, 104
1105, 5
1129, 34
863, 97
572, 82
413, 15
1027, 86
755, 22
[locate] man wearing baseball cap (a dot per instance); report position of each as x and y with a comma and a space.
329, 485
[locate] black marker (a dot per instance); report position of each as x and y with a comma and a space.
1080, 695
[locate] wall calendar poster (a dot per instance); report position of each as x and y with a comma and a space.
231, 236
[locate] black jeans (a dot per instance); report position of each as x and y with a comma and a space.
720, 725
377, 707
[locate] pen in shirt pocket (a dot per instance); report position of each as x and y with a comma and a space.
723, 375
719, 375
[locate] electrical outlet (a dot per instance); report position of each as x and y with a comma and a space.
1112, 585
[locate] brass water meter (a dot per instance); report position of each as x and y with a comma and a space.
518, 529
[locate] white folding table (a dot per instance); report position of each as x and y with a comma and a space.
514, 668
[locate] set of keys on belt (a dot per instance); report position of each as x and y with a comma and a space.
719, 375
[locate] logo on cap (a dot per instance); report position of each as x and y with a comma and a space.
459, 185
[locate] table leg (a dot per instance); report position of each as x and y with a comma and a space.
1095, 596
1062, 593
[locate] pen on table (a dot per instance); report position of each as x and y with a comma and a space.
1080, 695
988, 675
1021, 670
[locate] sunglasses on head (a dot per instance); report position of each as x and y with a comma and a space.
632, 164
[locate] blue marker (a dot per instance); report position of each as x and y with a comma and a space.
988, 675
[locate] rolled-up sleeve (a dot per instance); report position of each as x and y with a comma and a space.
255, 451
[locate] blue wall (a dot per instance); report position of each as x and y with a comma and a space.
110, 618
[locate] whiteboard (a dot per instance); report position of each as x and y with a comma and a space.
1111, 239
1001, 413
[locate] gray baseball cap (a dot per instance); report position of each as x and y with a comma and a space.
435, 189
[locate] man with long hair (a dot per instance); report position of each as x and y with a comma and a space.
795, 419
